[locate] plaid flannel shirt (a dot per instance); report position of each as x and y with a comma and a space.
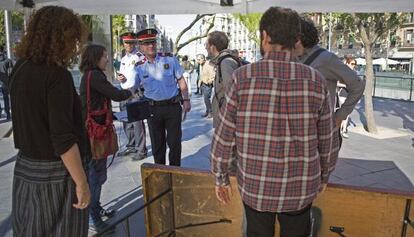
278, 123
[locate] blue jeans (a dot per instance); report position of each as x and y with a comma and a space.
97, 177
206, 90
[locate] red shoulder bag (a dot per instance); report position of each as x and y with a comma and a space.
102, 137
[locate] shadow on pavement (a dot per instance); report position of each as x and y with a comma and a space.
388, 108
5, 226
124, 205
199, 160
375, 174
194, 129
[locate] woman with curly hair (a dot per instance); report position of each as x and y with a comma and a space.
93, 64
50, 188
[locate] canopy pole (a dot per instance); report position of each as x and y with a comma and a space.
246, 7
8, 26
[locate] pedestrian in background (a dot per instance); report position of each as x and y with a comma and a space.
50, 190
93, 64
6, 66
217, 48
161, 76
342, 94
278, 121
207, 75
188, 71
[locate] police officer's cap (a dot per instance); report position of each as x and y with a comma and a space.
128, 37
147, 35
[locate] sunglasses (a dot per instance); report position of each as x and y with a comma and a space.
353, 64
129, 42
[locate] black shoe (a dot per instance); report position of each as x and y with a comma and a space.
196, 93
107, 213
204, 115
127, 151
8, 117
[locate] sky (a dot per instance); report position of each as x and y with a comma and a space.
178, 23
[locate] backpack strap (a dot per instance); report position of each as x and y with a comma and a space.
219, 65
313, 56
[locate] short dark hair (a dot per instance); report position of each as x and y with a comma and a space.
309, 36
218, 39
282, 25
185, 58
91, 55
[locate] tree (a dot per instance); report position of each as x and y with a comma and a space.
118, 27
251, 22
178, 46
17, 25
367, 29
93, 23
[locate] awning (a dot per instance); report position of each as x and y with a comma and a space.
383, 61
361, 61
213, 6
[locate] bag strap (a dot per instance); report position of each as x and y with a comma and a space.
313, 56
220, 78
11, 80
89, 112
221, 60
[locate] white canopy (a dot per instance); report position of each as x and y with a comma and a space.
383, 61
361, 61
213, 6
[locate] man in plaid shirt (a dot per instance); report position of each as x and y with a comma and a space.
278, 121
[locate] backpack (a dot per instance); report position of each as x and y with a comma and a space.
237, 59
220, 79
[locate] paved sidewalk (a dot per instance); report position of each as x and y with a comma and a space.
364, 160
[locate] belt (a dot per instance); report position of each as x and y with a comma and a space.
174, 100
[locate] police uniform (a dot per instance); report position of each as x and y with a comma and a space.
135, 131
159, 80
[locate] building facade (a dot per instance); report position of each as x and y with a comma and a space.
235, 30
397, 45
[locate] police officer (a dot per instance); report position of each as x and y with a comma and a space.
135, 131
161, 76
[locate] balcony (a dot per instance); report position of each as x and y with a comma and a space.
407, 46
408, 24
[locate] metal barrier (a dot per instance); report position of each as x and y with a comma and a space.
393, 87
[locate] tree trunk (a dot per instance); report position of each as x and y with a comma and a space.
369, 86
